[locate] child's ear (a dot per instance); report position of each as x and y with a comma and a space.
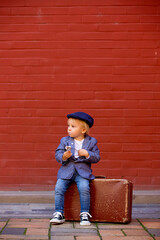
84, 130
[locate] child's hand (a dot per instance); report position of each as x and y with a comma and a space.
83, 153
66, 155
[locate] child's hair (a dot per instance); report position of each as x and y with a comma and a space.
83, 123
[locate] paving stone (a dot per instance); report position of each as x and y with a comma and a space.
11, 237
40, 215
2, 224
72, 232
88, 238
3, 219
37, 231
151, 224
30, 215
134, 224
154, 232
64, 225
127, 238
38, 237
62, 237
149, 220
47, 220
111, 233
135, 232
14, 231
17, 220
29, 224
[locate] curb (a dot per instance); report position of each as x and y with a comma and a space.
139, 197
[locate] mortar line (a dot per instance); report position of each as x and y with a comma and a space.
98, 231
145, 229
49, 231
4, 226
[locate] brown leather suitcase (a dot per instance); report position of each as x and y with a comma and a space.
111, 201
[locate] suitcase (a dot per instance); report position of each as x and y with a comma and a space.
111, 201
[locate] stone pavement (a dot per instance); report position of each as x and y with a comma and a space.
31, 221
140, 229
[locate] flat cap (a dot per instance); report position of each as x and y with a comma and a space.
82, 116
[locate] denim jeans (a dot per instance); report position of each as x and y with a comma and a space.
83, 188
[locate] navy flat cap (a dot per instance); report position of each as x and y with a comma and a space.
82, 116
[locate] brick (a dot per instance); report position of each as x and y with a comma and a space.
139, 147
143, 180
111, 232
127, 238
135, 232
154, 231
24, 11
2, 224
133, 225
151, 224
137, 164
155, 164
30, 237
37, 231
64, 225
17, 220
73, 232
109, 19
40, 220
148, 172
5, 11
62, 237
155, 181
13, 231
78, 95
72, 10
88, 238
149, 19
139, 9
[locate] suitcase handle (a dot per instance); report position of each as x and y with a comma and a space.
100, 176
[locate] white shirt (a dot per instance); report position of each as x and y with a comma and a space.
78, 146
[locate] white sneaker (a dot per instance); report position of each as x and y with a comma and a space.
58, 218
85, 219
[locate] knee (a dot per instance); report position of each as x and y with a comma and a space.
60, 189
84, 188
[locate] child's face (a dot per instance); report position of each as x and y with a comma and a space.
75, 129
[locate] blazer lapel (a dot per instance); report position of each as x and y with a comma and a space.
86, 142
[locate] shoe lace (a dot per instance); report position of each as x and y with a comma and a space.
56, 214
85, 215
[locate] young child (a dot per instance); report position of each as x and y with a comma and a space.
76, 152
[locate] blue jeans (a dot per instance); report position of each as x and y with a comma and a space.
83, 188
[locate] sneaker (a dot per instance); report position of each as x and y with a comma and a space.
85, 219
57, 218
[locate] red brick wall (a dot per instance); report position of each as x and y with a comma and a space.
61, 56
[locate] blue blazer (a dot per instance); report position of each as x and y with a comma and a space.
81, 164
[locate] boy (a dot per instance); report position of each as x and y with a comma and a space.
76, 152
